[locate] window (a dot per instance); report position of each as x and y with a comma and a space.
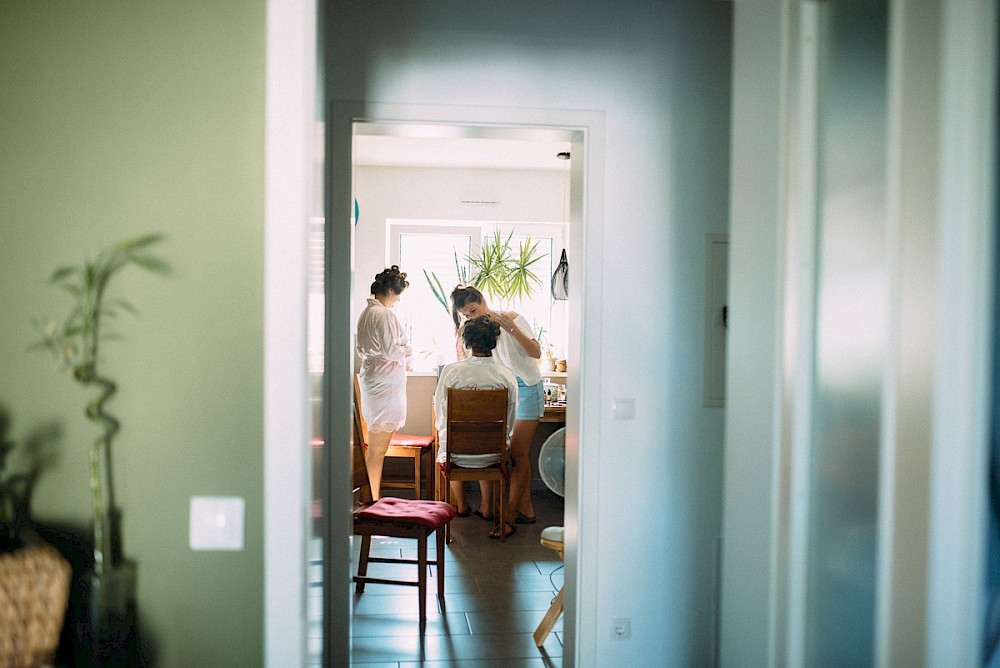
428, 322
432, 247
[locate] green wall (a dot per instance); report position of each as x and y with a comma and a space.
119, 118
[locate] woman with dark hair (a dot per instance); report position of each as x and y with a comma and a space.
478, 372
383, 347
518, 350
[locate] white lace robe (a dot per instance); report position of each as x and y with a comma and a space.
382, 345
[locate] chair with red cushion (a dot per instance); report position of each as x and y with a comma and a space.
416, 448
397, 518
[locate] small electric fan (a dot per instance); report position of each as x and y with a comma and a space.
552, 461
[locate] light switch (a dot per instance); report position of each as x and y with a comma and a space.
216, 522
624, 408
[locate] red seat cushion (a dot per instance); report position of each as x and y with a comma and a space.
431, 514
409, 440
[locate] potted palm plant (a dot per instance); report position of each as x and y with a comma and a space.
498, 271
75, 344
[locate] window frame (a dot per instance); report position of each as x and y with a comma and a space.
478, 230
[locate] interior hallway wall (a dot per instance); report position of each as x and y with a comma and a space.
659, 73
118, 119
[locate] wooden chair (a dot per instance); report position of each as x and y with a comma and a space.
477, 425
552, 538
415, 448
397, 518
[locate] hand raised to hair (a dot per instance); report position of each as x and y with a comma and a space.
505, 321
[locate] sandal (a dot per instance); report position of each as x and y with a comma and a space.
498, 533
478, 513
524, 519
463, 514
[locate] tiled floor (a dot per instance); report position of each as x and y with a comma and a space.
495, 595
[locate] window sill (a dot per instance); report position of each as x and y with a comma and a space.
421, 374
431, 374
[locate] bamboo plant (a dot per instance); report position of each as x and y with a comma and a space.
75, 344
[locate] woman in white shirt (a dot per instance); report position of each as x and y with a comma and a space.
479, 372
383, 347
518, 350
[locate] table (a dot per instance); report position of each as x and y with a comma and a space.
554, 414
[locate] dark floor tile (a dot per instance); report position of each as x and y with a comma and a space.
380, 554
510, 601
553, 572
489, 555
372, 626
371, 603
525, 621
488, 581
499, 568
405, 572
459, 584
553, 662
497, 647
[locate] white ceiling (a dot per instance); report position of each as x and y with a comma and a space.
464, 152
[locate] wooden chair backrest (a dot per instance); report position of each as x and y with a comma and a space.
359, 471
359, 417
477, 422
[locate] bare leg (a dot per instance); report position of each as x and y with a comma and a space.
520, 475
458, 501
375, 457
486, 490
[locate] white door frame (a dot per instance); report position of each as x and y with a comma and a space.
289, 143
586, 209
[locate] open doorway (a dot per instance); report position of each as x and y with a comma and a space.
375, 234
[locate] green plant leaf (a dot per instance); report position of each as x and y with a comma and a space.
491, 266
438, 290
125, 306
461, 271
152, 264
499, 272
141, 241
523, 280
72, 289
62, 272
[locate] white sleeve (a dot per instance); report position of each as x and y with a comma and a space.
441, 412
392, 338
511, 408
524, 325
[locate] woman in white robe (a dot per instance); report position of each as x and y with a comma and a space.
383, 347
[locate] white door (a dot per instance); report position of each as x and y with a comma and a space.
860, 281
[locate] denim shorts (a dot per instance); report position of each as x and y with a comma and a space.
530, 400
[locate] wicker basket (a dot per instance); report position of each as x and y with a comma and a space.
34, 591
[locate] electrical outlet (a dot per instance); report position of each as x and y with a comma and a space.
621, 628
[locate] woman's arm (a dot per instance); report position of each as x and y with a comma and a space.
528, 344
